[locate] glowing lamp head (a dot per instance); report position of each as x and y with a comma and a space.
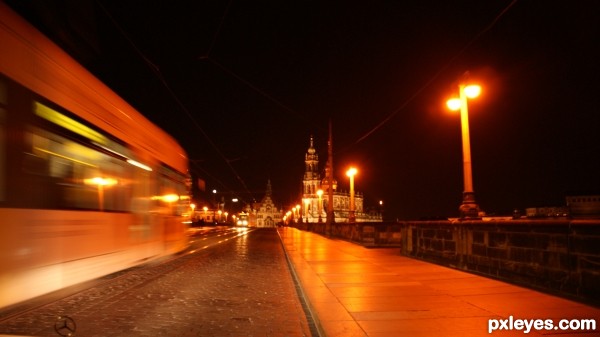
351, 172
472, 91
453, 104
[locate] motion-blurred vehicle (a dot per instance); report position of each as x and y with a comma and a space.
88, 185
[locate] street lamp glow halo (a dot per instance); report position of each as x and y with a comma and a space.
351, 172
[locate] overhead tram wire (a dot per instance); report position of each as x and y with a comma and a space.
255, 88
436, 75
218, 31
208, 57
156, 70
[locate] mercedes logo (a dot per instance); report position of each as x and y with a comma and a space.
65, 326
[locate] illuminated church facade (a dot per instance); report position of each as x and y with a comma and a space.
265, 213
315, 195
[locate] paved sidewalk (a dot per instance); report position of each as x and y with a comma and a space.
357, 291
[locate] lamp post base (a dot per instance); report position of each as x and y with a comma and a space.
469, 209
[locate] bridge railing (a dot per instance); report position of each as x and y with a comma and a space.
368, 234
560, 256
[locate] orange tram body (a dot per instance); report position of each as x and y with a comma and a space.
88, 185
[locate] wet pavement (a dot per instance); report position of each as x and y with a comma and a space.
358, 291
240, 287
297, 284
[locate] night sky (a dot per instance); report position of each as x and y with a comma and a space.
242, 85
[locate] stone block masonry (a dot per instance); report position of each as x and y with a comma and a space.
558, 256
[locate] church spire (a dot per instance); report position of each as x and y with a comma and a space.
311, 172
311, 161
269, 191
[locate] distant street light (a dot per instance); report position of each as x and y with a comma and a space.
306, 203
297, 211
468, 208
214, 205
320, 205
351, 173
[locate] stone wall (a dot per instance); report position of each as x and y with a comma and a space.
561, 256
368, 234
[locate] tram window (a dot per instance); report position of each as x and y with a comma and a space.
76, 176
67, 171
172, 182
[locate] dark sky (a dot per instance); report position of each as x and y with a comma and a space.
242, 85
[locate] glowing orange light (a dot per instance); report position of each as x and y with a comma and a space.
453, 104
472, 91
166, 197
100, 181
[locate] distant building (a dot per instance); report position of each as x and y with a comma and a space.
547, 212
584, 205
265, 213
314, 207
578, 205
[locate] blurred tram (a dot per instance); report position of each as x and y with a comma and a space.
88, 186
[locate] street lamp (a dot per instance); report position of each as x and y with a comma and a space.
320, 205
351, 173
214, 205
306, 203
468, 208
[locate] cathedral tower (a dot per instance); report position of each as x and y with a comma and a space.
311, 180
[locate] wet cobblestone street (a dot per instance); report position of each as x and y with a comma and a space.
240, 287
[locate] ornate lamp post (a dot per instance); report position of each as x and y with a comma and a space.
468, 208
351, 173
